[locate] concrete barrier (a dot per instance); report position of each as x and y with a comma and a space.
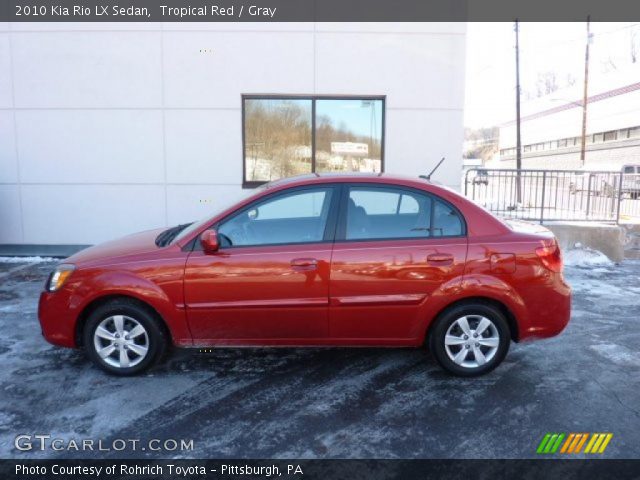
632, 241
609, 239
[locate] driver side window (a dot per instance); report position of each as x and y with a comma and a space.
296, 217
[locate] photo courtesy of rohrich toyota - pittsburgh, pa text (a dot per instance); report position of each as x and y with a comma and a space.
319, 239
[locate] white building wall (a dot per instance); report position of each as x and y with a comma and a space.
107, 129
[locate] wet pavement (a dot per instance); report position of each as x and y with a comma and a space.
331, 403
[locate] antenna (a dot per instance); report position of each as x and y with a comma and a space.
428, 177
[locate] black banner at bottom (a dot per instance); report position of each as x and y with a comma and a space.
318, 469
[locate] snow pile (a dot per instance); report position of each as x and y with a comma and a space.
585, 257
27, 259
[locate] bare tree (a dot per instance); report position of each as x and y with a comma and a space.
275, 135
608, 65
481, 142
546, 83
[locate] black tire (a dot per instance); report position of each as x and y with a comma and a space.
155, 338
475, 311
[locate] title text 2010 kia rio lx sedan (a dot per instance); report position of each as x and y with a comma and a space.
348, 260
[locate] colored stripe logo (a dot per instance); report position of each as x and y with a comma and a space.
574, 443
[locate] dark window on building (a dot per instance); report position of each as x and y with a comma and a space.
608, 136
285, 136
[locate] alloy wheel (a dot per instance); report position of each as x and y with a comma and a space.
121, 341
472, 341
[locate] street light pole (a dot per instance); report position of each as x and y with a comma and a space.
518, 142
583, 146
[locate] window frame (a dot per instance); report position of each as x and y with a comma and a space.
313, 98
341, 224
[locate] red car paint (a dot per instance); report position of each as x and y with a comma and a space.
374, 292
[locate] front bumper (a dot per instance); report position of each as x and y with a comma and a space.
58, 318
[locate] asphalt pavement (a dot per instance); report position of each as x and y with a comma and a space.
331, 403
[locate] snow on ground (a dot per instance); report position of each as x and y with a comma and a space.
585, 257
27, 259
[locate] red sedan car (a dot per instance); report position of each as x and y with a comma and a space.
318, 260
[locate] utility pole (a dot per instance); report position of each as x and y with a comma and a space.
518, 142
583, 146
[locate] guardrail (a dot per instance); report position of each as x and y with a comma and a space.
549, 195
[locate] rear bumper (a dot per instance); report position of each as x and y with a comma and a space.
57, 318
550, 312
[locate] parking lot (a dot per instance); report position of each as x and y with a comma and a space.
323, 403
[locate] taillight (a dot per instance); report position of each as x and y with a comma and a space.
550, 256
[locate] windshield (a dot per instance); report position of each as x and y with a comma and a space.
227, 204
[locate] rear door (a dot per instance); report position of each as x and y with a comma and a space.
394, 248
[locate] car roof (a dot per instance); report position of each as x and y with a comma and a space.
346, 177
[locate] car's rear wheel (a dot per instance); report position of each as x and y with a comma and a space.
123, 338
470, 339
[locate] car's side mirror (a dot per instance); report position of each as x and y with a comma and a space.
209, 241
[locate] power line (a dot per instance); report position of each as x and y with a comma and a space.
579, 39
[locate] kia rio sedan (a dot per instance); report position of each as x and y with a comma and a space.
319, 260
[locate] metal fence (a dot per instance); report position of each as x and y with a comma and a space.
548, 195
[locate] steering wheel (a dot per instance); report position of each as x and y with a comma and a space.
225, 239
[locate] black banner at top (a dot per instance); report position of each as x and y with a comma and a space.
316, 10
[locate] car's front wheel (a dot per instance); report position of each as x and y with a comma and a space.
123, 338
470, 339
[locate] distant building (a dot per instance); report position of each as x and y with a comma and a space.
468, 163
551, 127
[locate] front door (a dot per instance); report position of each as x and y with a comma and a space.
269, 282
395, 247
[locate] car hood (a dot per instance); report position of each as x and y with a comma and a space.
135, 244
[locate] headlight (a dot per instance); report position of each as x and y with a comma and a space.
59, 276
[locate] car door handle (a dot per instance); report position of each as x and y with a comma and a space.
440, 258
305, 263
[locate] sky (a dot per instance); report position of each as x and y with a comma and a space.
362, 118
557, 47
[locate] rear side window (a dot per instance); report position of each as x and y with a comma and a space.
390, 212
446, 221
